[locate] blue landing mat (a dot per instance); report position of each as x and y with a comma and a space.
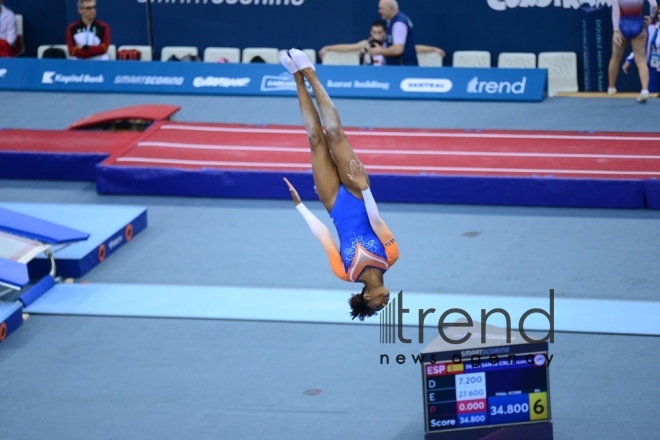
110, 227
330, 306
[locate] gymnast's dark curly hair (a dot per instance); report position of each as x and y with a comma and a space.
359, 307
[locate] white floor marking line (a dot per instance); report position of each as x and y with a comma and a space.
387, 167
416, 134
400, 152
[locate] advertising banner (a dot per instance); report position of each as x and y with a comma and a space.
273, 80
11, 73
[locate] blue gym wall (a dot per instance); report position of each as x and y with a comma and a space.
518, 25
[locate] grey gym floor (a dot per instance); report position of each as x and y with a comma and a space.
75, 377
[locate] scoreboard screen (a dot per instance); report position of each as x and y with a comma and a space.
483, 393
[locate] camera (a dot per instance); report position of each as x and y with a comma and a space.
371, 42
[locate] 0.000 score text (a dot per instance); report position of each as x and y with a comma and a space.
471, 406
510, 409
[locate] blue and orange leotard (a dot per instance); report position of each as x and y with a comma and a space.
364, 238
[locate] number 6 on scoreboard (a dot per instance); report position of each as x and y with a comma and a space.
538, 403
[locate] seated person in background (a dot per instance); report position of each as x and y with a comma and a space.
376, 38
88, 38
7, 31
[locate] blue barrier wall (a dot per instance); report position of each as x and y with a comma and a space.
493, 25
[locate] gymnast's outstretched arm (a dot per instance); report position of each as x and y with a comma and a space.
380, 228
358, 176
322, 233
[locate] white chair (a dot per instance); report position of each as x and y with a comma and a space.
471, 58
41, 49
269, 54
429, 59
311, 53
178, 51
145, 51
516, 60
112, 52
213, 54
562, 71
19, 44
19, 24
336, 58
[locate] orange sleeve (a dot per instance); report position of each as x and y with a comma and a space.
392, 251
322, 233
331, 250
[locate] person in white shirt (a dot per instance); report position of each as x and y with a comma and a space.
7, 31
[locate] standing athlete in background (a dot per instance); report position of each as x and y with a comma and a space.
628, 22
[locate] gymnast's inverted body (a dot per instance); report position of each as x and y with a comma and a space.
367, 248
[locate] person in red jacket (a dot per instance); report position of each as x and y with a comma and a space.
88, 38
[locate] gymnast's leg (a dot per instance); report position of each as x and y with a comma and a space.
324, 170
639, 49
618, 45
337, 142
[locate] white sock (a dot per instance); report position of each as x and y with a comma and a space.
288, 63
301, 59
645, 92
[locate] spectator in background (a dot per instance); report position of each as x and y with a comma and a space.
7, 31
88, 38
399, 47
376, 39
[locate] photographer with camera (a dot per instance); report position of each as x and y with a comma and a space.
376, 39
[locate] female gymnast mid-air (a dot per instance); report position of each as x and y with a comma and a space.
367, 248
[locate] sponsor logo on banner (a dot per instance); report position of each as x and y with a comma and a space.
149, 80
272, 83
50, 77
233, 2
426, 85
495, 87
503, 5
214, 81
369, 84
3, 73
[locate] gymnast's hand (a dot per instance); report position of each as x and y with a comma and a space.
618, 38
294, 193
358, 175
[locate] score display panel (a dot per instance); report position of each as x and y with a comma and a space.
514, 389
